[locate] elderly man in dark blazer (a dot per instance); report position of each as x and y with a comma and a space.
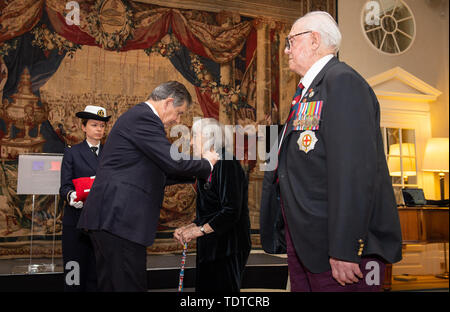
331, 189
122, 210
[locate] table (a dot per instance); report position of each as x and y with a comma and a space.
421, 224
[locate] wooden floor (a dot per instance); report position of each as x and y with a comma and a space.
419, 283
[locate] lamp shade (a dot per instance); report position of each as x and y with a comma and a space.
408, 157
436, 155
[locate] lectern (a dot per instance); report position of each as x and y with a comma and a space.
39, 174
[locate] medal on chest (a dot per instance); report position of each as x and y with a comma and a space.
307, 141
307, 116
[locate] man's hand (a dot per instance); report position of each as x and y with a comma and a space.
345, 272
213, 157
74, 202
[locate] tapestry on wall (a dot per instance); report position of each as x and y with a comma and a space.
117, 53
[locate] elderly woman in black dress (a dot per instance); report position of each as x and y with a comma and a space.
222, 224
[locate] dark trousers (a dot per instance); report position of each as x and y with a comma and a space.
302, 280
222, 275
121, 264
78, 260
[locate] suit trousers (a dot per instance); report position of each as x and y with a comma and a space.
302, 280
121, 264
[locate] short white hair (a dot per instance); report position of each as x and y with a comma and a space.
323, 23
210, 129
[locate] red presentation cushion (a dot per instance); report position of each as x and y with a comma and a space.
82, 187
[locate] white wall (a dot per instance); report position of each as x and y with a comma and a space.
427, 59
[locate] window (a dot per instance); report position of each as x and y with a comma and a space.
400, 150
388, 25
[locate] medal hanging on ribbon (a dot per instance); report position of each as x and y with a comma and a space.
307, 116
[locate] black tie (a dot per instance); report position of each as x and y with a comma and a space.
94, 149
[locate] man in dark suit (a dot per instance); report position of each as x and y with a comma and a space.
80, 161
122, 209
334, 191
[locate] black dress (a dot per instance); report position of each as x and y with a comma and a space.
222, 201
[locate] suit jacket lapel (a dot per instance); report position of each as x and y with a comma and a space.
313, 85
88, 155
320, 75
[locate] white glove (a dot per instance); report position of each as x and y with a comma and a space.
73, 202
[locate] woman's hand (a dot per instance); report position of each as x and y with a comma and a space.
190, 233
178, 234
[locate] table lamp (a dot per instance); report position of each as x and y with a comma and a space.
436, 160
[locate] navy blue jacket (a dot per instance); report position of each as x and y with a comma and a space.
128, 190
78, 161
337, 198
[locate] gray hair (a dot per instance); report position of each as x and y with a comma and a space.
323, 23
211, 130
173, 89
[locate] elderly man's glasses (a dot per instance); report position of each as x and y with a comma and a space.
288, 38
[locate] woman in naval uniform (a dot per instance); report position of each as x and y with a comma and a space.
80, 160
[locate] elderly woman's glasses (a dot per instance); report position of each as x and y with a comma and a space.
288, 38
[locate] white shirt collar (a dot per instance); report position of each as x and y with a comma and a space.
90, 145
314, 71
153, 108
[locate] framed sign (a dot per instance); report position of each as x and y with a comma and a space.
39, 174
